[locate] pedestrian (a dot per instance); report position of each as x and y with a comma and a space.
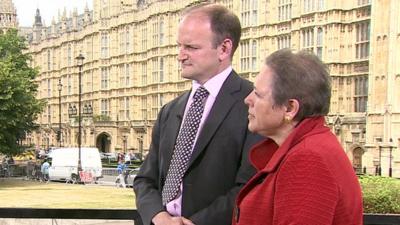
197, 159
11, 166
120, 179
127, 158
120, 156
11, 160
42, 154
303, 174
45, 171
4, 167
30, 165
37, 174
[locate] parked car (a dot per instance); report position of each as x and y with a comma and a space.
110, 156
132, 158
131, 176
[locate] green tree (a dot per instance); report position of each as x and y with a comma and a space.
19, 107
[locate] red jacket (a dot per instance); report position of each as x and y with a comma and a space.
308, 180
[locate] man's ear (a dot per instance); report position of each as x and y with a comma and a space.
292, 108
225, 49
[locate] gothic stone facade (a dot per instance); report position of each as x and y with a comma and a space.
130, 68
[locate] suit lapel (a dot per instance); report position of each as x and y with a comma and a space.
221, 107
172, 127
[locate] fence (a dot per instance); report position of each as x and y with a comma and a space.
41, 213
12, 170
130, 214
126, 214
381, 219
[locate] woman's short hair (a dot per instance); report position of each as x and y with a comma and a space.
301, 76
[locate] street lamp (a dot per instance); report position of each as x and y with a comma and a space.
59, 112
380, 161
79, 60
140, 140
390, 157
124, 138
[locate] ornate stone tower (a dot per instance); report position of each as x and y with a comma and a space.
37, 27
8, 15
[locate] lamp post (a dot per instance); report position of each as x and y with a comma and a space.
140, 140
79, 60
124, 142
87, 112
390, 157
380, 160
59, 112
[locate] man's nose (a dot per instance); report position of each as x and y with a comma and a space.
182, 54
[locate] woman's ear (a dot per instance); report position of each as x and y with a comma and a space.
292, 108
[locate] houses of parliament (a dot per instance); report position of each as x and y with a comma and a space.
130, 68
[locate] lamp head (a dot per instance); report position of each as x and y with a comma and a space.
79, 59
59, 85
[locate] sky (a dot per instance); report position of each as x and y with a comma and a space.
26, 9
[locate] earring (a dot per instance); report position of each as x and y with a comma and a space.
286, 119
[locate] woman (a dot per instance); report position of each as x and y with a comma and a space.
303, 174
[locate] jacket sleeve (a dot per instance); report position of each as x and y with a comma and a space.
146, 183
220, 211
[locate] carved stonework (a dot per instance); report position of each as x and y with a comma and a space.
141, 4
8, 15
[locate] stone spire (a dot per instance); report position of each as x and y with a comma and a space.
86, 7
38, 18
37, 27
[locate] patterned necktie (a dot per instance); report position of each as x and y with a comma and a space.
183, 146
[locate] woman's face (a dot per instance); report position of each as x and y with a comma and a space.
265, 118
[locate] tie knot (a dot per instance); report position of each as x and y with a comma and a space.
200, 94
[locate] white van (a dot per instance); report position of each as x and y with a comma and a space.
64, 163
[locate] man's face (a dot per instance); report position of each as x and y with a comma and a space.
199, 58
265, 118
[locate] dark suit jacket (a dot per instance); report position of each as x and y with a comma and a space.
218, 167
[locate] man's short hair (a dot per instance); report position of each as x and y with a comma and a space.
224, 23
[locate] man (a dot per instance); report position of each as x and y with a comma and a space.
45, 171
30, 165
203, 190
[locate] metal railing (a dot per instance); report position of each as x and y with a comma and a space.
42, 213
381, 219
131, 214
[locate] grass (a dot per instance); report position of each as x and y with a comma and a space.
30, 194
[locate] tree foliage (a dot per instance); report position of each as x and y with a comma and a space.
19, 107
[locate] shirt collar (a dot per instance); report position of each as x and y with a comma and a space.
214, 84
